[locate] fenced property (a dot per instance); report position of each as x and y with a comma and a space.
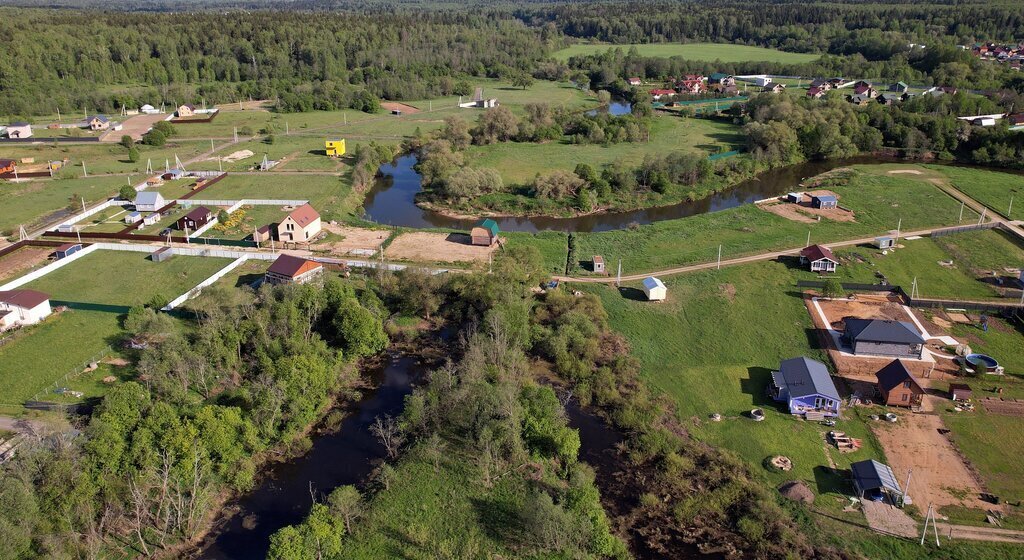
990, 307
964, 229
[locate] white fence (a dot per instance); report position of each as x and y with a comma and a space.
37, 274
189, 202
199, 287
94, 210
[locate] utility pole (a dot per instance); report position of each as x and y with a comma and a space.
212, 148
85, 172
899, 226
236, 130
1010, 209
981, 219
913, 288
286, 132
58, 114
808, 244
935, 527
618, 277
961, 218
719, 257
83, 203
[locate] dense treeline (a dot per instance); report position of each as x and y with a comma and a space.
253, 372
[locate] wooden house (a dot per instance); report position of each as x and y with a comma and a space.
960, 391
485, 233
186, 110
195, 219
899, 387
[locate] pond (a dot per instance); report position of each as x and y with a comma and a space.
392, 200
616, 108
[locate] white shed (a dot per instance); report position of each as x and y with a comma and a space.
654, 289
149, 201
23, 307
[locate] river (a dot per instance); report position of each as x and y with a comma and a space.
392, 200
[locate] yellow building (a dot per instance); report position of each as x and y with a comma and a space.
335, 148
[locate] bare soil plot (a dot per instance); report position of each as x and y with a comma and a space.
436, 247
355, 239
888, 519
134, 126
256, 104
905, 172
1006, 407
395, 106
235, 156
940, 475
803, 211
866, 306
21, 260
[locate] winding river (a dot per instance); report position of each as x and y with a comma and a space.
392, 200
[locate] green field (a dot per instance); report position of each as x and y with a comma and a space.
709, 52
31, 202
879, 202
105, 158
329, 194
991, 188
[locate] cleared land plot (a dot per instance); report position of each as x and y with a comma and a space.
993, 443
991, 188
710, 52
330, 195
294, 152
32, 203
23, 260
105, 157
804, 212
343, 240
134, 126
424, 246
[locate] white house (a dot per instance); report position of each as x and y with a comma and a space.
148, 109
133, 218
23, 307
19, 130
149, 201
302, 224
654, 289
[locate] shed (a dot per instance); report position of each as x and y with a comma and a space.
149, 201
654, 289
485, 233
7, 165
824, 201
882, 337
874, 479
148, 109
67, 250
161, 254
133, 218
960, 391
806, 387
885, 242
820, 258
335, 148
598, 264
795, 197
898, 386
263, 233
151, 219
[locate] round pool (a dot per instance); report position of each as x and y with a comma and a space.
982, 362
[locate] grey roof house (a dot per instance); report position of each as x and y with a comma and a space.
806, 387
875, 479
880, 337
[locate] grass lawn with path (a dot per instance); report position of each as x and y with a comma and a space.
991, 188
710, 52
329, 194
30, 203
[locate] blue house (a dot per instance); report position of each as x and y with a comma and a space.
66, 250
825, 202
806, 387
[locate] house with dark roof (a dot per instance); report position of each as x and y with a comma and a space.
821, 83
883, 337
820, 258
858, 99
485, 233
816, 92
824, 201
19, 308
890, 98
195, 219
7, 165
898, 387
302, 224
899, 87
66, 250
97, 122
872, 479
289, 269
806, 387
774, 88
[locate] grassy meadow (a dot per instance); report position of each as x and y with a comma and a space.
29, 203
329, 194
991, 188
710, 52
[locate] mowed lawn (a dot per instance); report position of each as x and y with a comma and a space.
329, 194
991, 188
106, 157
879, 202
29, 203
711, 347
710, 52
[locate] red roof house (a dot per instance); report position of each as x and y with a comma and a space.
289, 269
820, 258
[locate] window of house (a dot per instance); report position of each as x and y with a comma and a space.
906, 384
905, 397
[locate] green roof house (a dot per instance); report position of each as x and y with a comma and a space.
485, 233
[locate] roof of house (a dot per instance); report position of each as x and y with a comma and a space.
264, 229
818, 82
491, 226
891, 96
19, 123
100, 118
858, 98
882, 330
957, 387
804, 377
198, 213
23, 298
148, 197
815, 91
188, 106
651, 283
304, 215
66, 246
719, 76
825, 198
7, 162
871, 474
818, 252
292, 266
598, 259
894, 374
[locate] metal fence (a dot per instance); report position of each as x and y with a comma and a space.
932, 303
964, 229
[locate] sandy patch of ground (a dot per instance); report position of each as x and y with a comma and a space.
236, 156
866, 306
905, 172
395, 106
258, 104
134, 126
436, 247
804, 213
21, 260
355, 239
940, 474
1006, 407
888, 519
728, 291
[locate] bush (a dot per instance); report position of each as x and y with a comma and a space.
154, 138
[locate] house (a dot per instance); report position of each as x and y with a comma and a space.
148, 109
1016, 120
22, 307
335, 148
7, 165
691, 86
721, 80
485, 233
984, 121
885, 242
149, 201
865, 89
824, 201
20, 129
162, 254
97, 122
289, 269
150, 219
657, 94
133, 218
774, 88
882, 337
263, 233
186, 110
635, 82
816, 92
859, 99
820, 258
960, 391
654, 289
821, 83
303, 224
899, 87
195, 219
66, 250
872, 479
806, 387
899, 387
598, 264
890, 98
762, 81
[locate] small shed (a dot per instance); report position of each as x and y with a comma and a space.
824, 201
335, 148
151, 219
598, 264
195, 219
263, 233
795, 197
485, 233
133, 218
161, 254
875, 480
885, 242
654, 289
67, 250
960, 391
